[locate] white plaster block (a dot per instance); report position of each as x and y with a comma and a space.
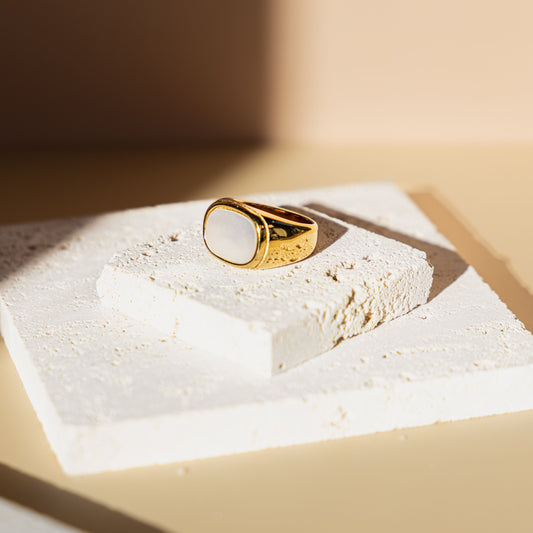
112, 392
269, 320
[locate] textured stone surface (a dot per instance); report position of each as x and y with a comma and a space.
268, 320
114, 393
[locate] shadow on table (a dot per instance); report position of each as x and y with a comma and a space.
447, 264
64, 187
329, 231
64, 506
491, 268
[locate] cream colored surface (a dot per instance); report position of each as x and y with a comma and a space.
465, 476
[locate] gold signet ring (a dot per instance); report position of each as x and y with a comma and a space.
251, 235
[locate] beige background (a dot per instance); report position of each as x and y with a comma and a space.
465, 476
279, 70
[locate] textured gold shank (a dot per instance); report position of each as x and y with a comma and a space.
283, 236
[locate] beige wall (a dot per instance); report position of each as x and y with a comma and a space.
283, 70
402, 70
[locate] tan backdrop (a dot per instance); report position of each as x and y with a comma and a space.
281, 70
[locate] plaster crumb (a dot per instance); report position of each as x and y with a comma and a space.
182, 471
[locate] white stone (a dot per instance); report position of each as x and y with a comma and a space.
112, 393
269, 320
231, 236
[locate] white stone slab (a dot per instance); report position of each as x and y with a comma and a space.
112, 393
269, 320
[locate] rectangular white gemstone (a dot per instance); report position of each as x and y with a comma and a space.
112, 393
269, 320
231, 236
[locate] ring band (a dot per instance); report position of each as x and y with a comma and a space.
258, 236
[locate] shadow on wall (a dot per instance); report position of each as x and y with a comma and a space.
133, 71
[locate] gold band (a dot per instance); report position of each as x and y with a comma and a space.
282, 236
